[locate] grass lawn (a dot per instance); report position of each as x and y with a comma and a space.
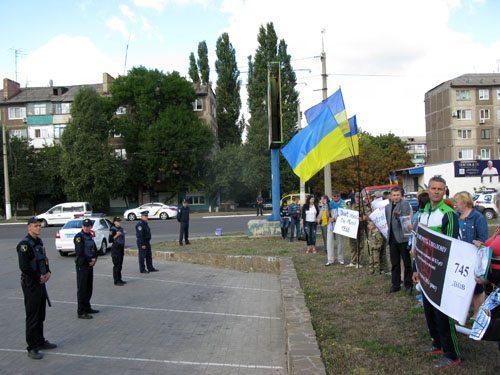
360, 328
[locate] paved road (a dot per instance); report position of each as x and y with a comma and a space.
185, 319
163, 230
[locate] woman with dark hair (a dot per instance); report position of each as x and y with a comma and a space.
285, 219
309, 213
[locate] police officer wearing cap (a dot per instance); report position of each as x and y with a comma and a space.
183, 218
117, 238
35, 273
86, 256
143, 235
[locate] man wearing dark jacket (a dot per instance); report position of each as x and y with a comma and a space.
183, 218
397, 241
86, 256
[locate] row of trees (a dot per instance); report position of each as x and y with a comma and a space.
167, 146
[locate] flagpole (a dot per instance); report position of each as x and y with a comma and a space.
327, 169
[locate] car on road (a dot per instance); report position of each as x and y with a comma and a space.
156, 211
485, 203
100, 231
60, 214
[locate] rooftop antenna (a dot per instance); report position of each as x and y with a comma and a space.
126, 53
17, 53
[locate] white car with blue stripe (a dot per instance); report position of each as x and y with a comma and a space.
487, 203
100, 231
156, 211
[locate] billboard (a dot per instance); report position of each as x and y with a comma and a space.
476, 168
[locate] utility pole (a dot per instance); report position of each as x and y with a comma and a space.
8, 209
302, 187
328, 168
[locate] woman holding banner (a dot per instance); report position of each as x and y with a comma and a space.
473, 227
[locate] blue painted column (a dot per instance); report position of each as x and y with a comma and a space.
275, 184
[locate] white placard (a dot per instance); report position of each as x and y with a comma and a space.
378, 218
380, 203
347, 223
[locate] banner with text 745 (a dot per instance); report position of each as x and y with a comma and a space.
446, 271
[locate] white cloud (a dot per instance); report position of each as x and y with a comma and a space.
116, 24
128, 13
407, 40
160, 4
80, 63
147, 27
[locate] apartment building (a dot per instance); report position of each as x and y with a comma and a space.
417, 148
462, 118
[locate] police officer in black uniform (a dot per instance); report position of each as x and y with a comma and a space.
86, 256
143, 235
117, 238
183, 218
35, 272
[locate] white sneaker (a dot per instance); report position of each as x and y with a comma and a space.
328, 264
351, 265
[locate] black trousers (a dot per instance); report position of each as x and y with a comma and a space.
34, 304
442, 330
184, 232
84, 285
145, 255
260, 209
117, 258
398, 251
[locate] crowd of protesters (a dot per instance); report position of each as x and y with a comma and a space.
456, 217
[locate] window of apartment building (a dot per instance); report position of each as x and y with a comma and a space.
17, 133
465, 154
17, 113
195, 198
464, 134
484, 94
62, 108
464, 114
485, 134
58, 130
498, 114
485, 153
38, 133
463, 94
121, 153
198, 105
484, 114
498, 93
39, 109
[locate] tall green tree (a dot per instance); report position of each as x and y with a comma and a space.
23, 172
203, 66
160, 129
90, 170
49, 160
257, 173
193, 69
227, 93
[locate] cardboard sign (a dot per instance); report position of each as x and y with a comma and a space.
380, 203
347, 223
446, 270
378, 218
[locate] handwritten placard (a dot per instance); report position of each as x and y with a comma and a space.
378, 218
347, 223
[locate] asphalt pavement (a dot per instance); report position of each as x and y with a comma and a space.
184, 319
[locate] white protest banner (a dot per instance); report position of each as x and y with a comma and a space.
446, 271
380, 203
347, 223
378, 218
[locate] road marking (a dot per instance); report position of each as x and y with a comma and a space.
194, 284
166, 361
224, 216
166, 310
12, 223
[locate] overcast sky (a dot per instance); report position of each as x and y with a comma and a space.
383, 54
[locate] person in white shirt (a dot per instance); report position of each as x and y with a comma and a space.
490, 170
309, 213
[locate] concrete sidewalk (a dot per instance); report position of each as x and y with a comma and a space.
185, 319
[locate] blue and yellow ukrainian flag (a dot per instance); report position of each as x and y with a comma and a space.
318, 144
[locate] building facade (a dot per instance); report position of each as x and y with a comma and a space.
417, 148
462, 119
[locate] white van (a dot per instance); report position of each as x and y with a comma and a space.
60, 214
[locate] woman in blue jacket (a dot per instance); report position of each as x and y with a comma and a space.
473, 226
